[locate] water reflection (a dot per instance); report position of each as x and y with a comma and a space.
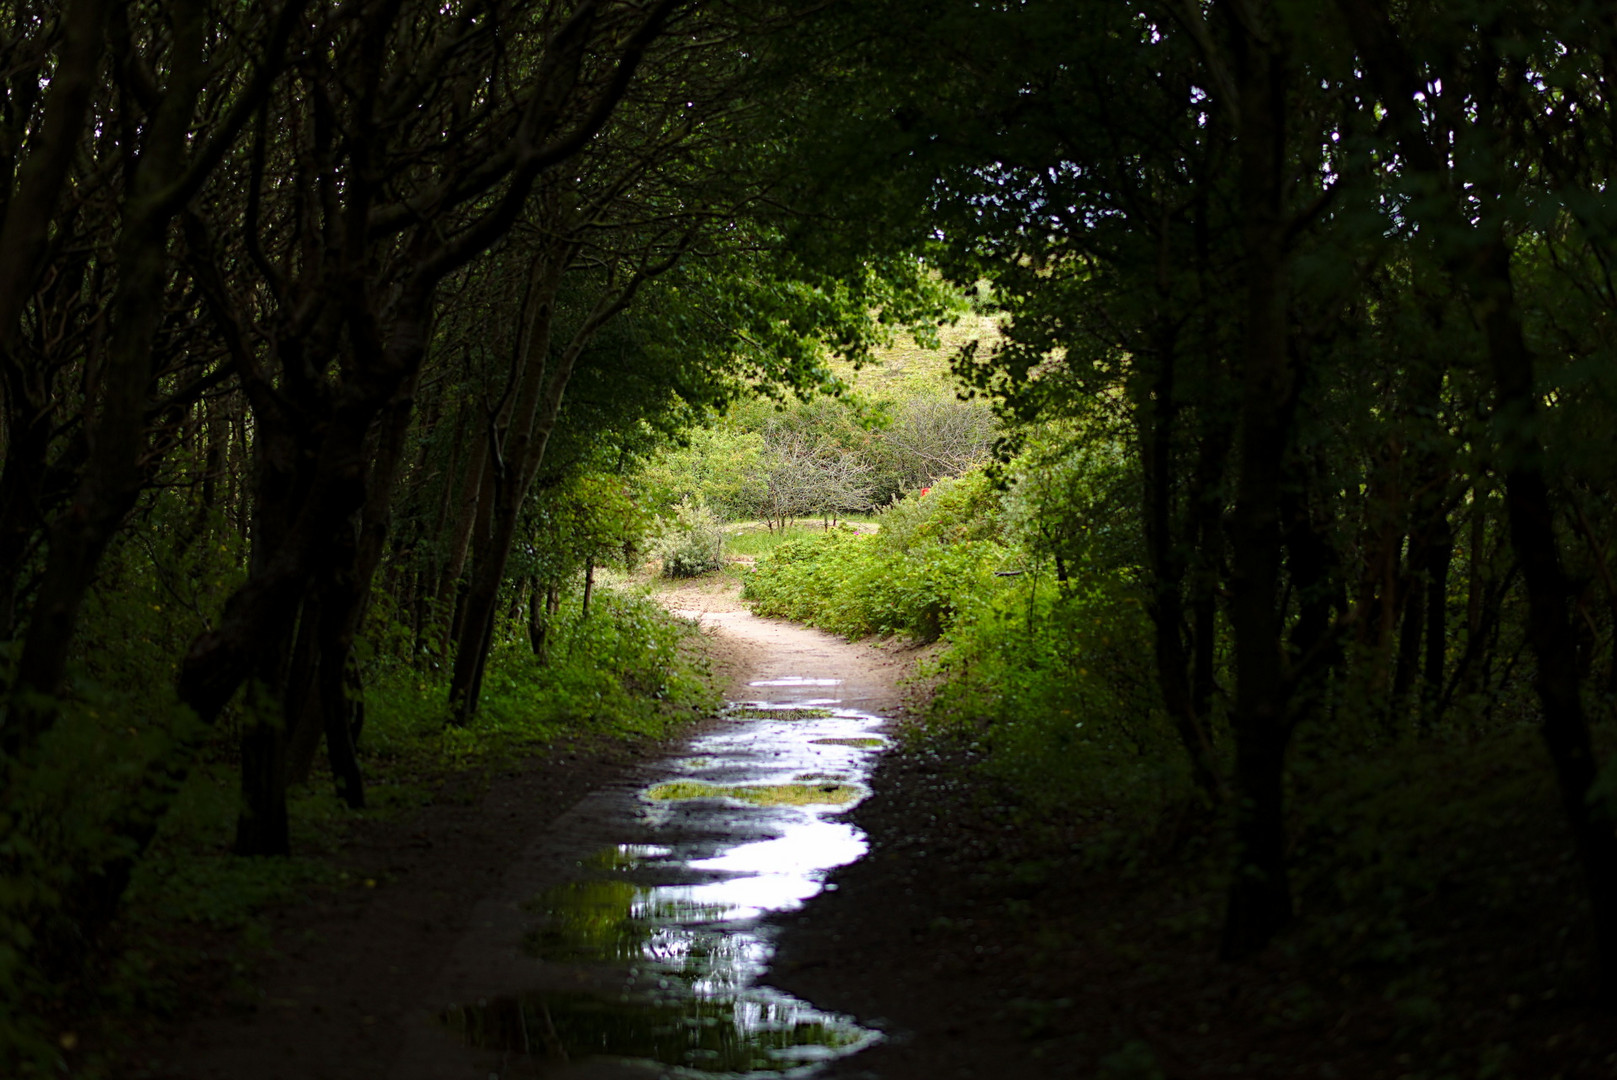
796, 680
758, 1034
751, 829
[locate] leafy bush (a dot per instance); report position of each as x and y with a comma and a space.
1054, 678
694, 544
960, 508
850, 585
933, 554
1057, 681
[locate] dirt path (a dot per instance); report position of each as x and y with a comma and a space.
980, 943
361, 976
748, 649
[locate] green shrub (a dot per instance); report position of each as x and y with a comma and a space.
851, 585
933, 554
1054, 679
694, 543
1057, 681
961, 508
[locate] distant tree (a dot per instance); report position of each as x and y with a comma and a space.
926, 438
806, 474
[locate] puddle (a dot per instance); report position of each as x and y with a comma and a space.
706, 1036
673, 919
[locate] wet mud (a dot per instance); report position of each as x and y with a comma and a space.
568, 921
638, 949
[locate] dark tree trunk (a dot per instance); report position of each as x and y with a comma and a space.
538, 402
1158, 415
1412, 604
301, 700
538, 626
1482, 266
1316, 580
1437, 607
261, 827
475, 493
115, 470
1260, 893
1531, 515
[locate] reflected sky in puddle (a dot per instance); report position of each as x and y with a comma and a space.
795, 680
752, 828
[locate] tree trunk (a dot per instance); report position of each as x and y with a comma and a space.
1158, 415
537, 402
1531, 516
1412, 603
261, 826
1437, 607
301, 700
538, 626
475, 493
1260, 894
116, 468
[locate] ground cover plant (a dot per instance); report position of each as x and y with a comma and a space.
624, 673
1418, 852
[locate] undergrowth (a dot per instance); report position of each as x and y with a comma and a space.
1417, 864
619, 672
1050, 680
624, 672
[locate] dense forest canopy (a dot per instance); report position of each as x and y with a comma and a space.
338, 336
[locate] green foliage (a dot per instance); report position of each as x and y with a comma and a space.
873, 436
717, 466
932, 554
1134, 1061
693, 543
66, 804
589, 517
1076, 499
1380, 836
1057, 682
1054, 679
853, 585
965, 508
621, 671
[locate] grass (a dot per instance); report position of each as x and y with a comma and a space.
813, 793
752, 713
623, 672
195, 921
755, 539
905, 367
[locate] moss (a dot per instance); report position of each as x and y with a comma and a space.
748, 713
811, 794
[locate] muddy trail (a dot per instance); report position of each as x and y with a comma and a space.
587, 917
786, 892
